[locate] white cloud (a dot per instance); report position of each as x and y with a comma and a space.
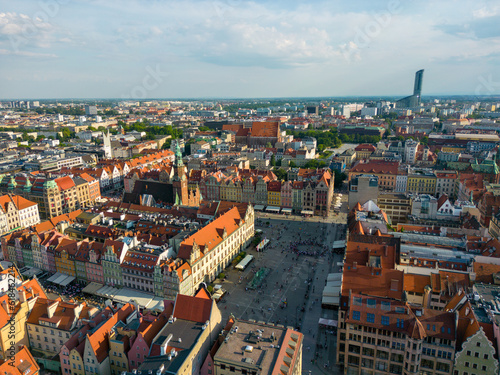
296, 47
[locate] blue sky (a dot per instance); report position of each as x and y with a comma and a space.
237, 48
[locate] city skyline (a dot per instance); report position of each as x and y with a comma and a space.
239, 49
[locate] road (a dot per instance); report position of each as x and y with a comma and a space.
296, 279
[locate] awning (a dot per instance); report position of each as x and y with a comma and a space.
272, 209
92, 288
54, 277
67, 280
244, 263
126, 295
328, 322
156, 304
60, 279
258, 207
334, 301
286, 210
307, 212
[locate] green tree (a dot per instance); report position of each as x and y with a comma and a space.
280, 174
269, 145
273, 160
292, 164
339, 178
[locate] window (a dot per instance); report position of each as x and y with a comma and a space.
385, 305
372, 303
356, 315
357, 301
385, 320
486, 356
370, 318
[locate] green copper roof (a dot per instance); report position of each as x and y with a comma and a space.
12, 183
49, 184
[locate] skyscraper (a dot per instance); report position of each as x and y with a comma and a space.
419, 76
413, 101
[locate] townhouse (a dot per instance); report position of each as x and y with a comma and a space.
95, 357
52, 322
14, 317
386, 171
214, 246
17, 212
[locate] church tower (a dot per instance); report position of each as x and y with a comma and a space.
180, 182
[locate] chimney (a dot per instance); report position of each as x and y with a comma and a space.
22, 296
354, 265
51, 309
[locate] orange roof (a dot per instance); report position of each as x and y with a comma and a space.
373, 281
376, 167
19, 202
369, 248
87, 177
32, 288
210, 235
194, 309
64, 316
64, 183
484, 272
265, 129
22, 203
24, 364
99, 339
365, 147
416, 283
203, 294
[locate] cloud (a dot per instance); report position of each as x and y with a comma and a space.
483, 27
18, 31
27, 54
319, 47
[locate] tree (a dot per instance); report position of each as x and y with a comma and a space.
292, 164
280, 174
273, 160
339, 178
269, 145
425, 140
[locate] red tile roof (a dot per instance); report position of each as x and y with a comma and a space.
265, 129
376, 167
193, 309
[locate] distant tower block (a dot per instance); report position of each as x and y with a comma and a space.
108, 151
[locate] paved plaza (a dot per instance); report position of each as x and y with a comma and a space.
295, 278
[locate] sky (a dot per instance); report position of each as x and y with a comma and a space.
247, 49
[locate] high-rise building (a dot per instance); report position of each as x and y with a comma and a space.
417, 88
312, 110
90, 110
413, 101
